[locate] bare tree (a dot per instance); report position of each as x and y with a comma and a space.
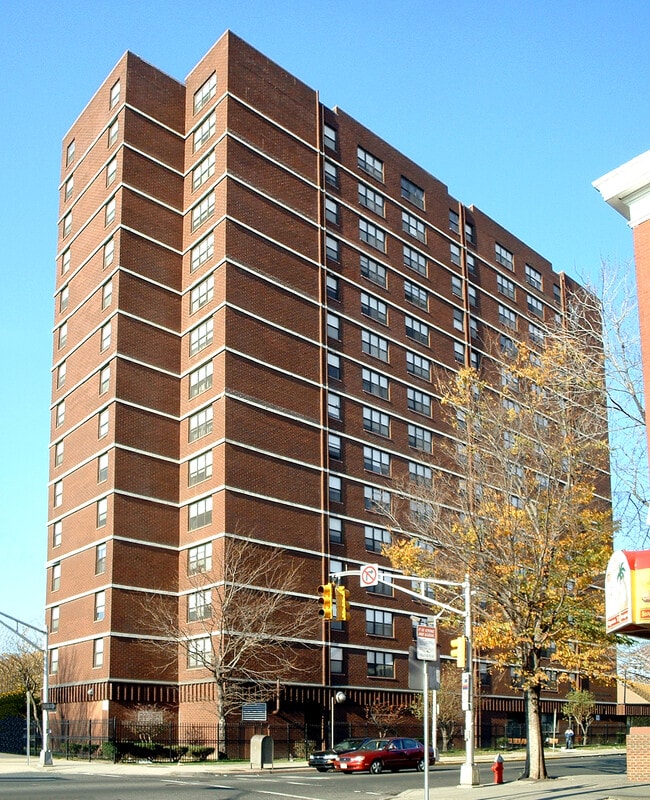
450, 716
242, 622
22, 671
386, 716
521, 504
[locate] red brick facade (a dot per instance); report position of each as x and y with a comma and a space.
223, 239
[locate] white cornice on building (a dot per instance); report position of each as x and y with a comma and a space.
627, 189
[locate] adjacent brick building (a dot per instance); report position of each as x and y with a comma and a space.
253, 293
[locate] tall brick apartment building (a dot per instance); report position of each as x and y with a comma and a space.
253, 294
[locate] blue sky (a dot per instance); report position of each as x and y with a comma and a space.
516, 106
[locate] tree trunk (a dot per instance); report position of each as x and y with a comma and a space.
535, 766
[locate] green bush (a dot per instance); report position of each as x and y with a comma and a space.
200, 753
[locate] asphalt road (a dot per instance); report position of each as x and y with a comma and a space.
290, 785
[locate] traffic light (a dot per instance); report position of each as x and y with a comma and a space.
342, 603
325, 600
459, 651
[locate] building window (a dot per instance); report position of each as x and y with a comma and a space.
333, 326
333, 406
333, 287
205, 131
372, 235
333, 366
505, 286
454, 254
58, 494
454, 221
413, 226
199, 653
55, 614
332, 248
113, 133
459, 352
202, 294
471, 263
506, 345
98, 652
65, 261
104, 420
381, 588
375, 460
202, 252
200, 424
459, 317
54, 661
374, 345
332, 211
57, 534
115, 95
330, 137
414, 260
104, 380
199, 514
67, 224
102, 512
199, 605
205, 93
100, 606
335, 489
56, 576
199, 559
557, 294
109, 252
473, 327
375, 499
331, 174
69, 188
200, 468
420, 474
374, 383
201, 336
368, 163
107, 295
111, 171
371, 199
376, 538
334, 446
202, 211
64, 298
336, 660
416, 330
456, 286
379, 623
69, 153
374, 308
109, 212
412, 192
419, 438
418, 401
507, 317
203, 171
380, 665
335, 527
201, 379
60, 375
534, 306
504, 257
470, 233
105, 337
63, 335
416, 294
373, 270
376, 422
535, 333
472, 295
60, 414
533, 277
418, 365
100, 559
102, 468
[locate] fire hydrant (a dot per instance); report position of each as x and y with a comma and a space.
497, 768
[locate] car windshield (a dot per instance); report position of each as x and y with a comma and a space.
347, 744
375, 744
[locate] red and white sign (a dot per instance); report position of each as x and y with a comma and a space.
427, 643
369, 575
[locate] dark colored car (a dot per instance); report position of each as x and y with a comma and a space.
376, 755
323, 760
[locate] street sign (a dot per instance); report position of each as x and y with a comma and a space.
427, 642
465, 691
49, 706
369, 575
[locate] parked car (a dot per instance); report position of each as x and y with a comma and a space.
323, 760
376, 755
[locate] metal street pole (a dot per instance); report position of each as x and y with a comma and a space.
425, 698
469, 774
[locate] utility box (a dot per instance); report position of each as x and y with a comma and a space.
261, 751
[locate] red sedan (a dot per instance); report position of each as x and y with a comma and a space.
376, 755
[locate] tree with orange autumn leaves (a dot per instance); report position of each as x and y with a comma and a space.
521, 505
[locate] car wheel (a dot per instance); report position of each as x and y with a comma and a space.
323, 769
420, 765
376, 767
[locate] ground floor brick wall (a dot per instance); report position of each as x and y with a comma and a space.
638, 754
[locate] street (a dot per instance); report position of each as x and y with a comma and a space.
300, 784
